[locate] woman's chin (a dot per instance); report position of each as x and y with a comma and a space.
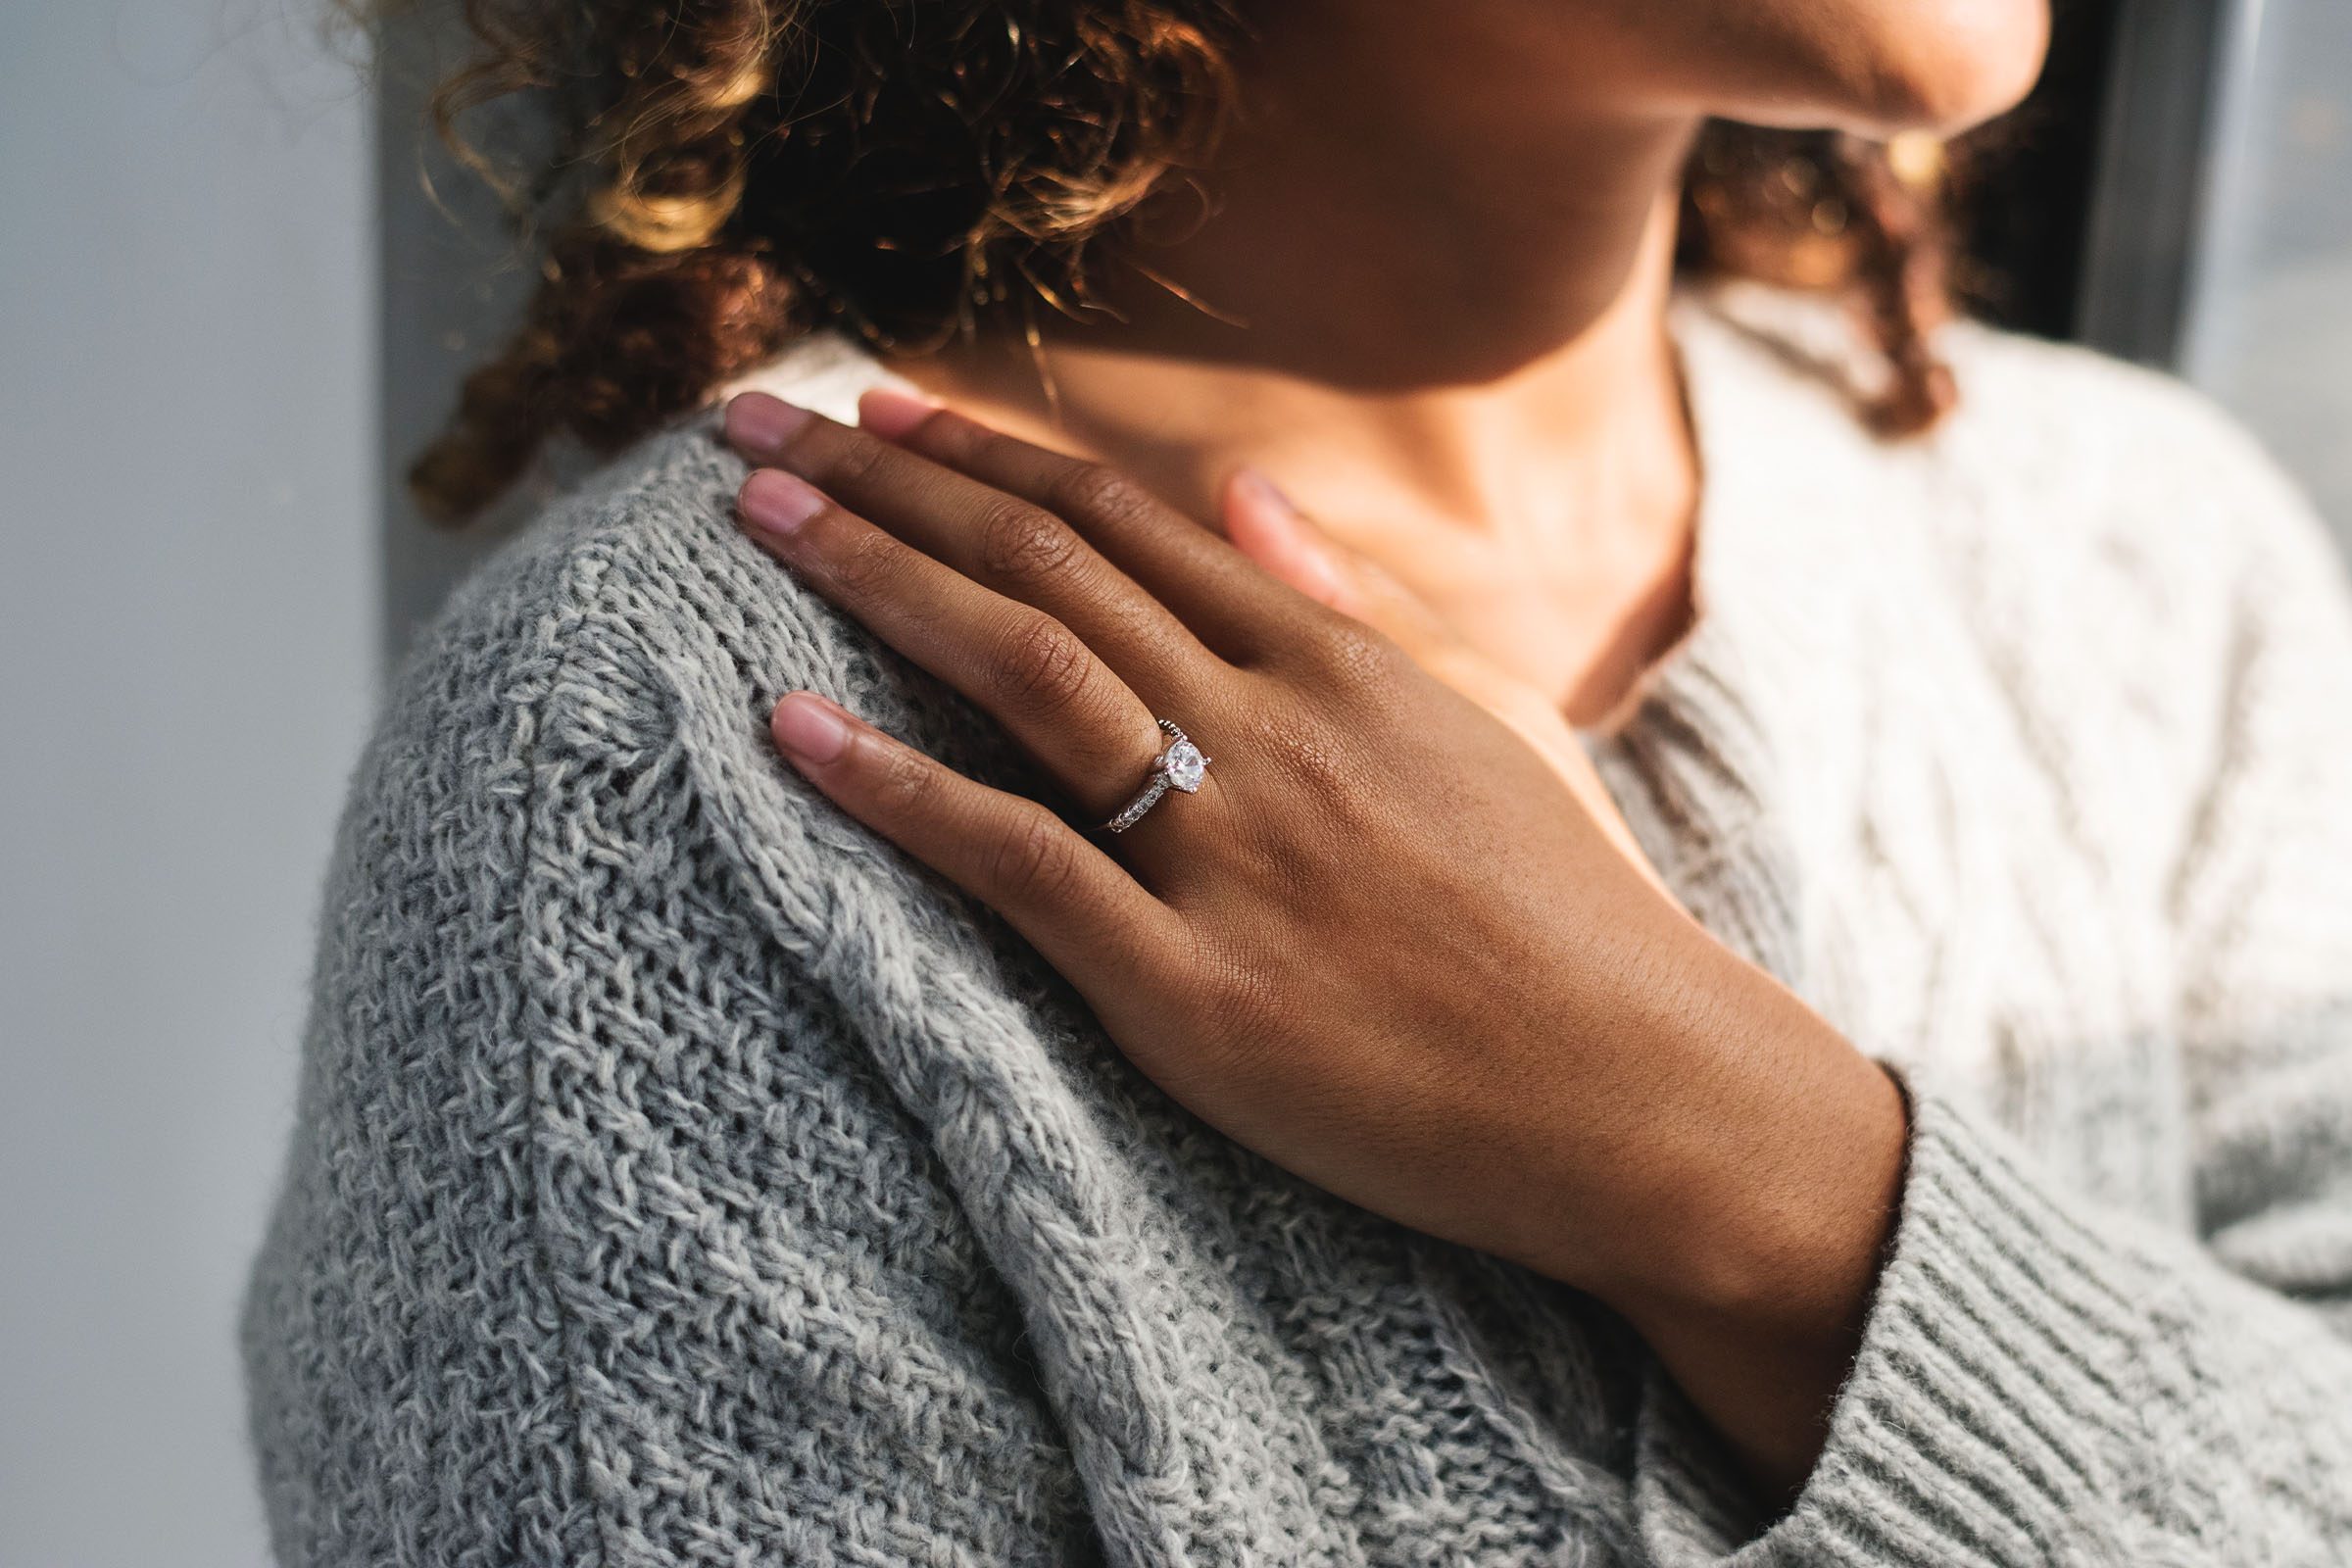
1879, 67
1946, 67
1992, 58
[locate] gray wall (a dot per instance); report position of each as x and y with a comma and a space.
189, 622
2271, 290
454, 283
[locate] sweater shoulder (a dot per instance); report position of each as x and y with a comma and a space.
2073, 443
594, 1147
2119, 513
585, 592
2076, 498
585, 723
2084, 452
637, 576
2135, 449
590, 712
629, 615
2094, 544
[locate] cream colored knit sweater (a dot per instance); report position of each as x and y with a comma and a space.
683, 1177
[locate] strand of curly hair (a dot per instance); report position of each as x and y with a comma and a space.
728, 175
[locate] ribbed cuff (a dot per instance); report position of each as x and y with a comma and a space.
2001, 1383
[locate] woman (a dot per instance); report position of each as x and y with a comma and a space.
1755, 969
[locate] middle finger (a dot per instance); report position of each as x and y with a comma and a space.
1003, 542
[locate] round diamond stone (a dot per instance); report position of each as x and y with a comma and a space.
1186, 767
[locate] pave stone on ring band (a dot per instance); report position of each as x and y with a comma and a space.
1180, 766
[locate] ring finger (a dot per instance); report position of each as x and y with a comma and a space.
1031, 672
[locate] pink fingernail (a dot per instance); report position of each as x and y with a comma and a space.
809, 728
759, 425
1264, 489
776, 504
891, 413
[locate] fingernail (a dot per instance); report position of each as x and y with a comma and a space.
776, 504
1258, 484
760, 423
890, 414
809, 728
1300, 552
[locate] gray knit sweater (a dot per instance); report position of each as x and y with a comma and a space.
684, 1177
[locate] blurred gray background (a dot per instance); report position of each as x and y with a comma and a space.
190, 601
2269, 322
223, 301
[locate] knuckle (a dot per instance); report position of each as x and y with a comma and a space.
863, 561
967, 442
841, 457
1316, 766
1032, 858
904, 781
1322, 770
1356, 655
1318, 749
1021, 543
1042, 666
1101, 494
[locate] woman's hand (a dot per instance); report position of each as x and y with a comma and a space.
1385, 944
1266, 527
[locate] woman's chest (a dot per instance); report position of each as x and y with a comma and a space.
1947, 813
1968, 922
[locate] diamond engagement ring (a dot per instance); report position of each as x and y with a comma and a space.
1181, 766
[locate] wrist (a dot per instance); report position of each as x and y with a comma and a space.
1781, 1222
1760, 1253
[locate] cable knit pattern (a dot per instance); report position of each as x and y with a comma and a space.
682, 1176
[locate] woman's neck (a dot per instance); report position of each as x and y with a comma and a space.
1447, 344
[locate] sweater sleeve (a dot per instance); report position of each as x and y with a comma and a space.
2042, 1380
600, 1241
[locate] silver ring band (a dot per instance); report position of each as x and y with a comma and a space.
1178, 766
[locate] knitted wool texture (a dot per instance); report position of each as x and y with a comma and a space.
683, 1176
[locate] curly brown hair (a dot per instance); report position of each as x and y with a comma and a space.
728, 175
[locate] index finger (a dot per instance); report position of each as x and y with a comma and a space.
1230, 603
